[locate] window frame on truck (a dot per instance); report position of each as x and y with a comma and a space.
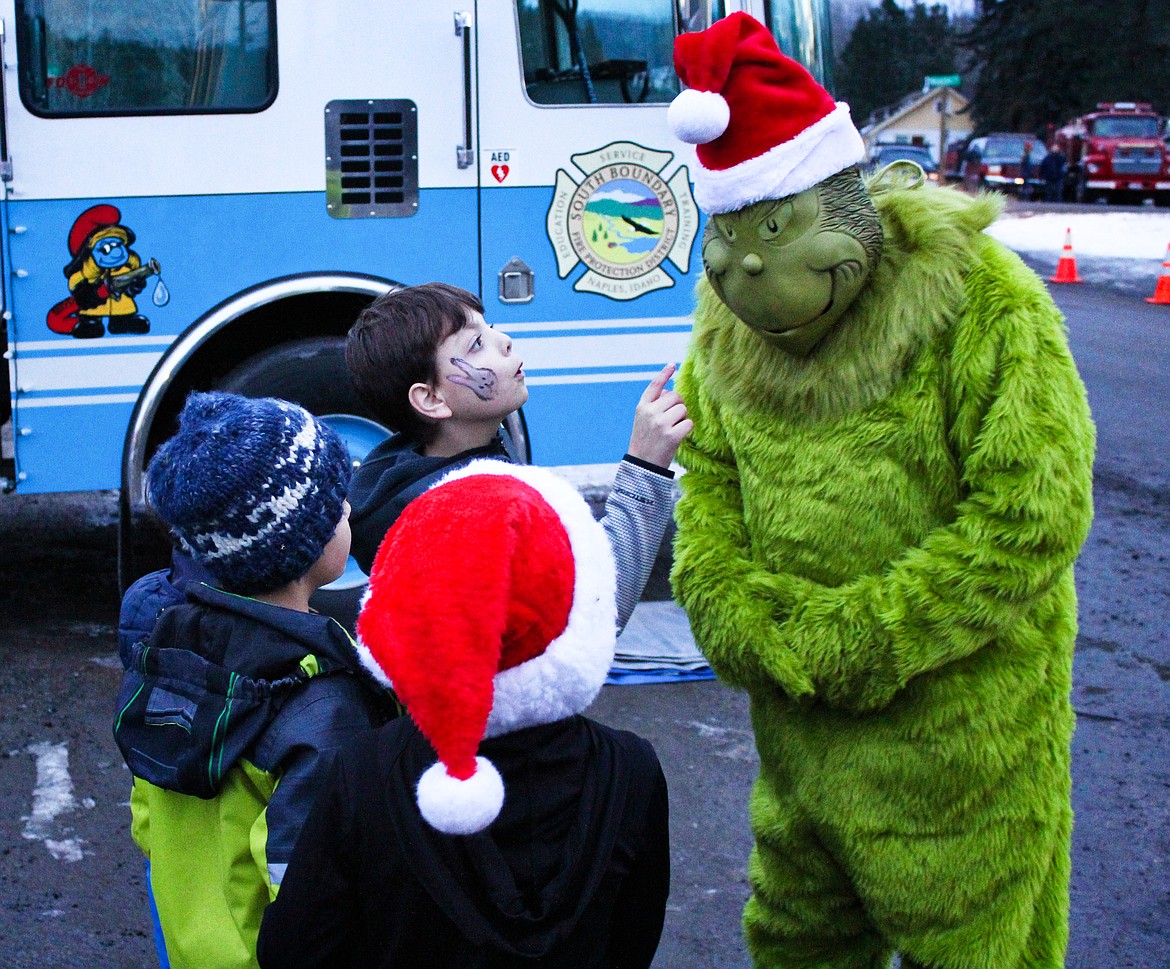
192, 69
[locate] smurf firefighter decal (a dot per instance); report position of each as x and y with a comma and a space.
623, 220
104, 276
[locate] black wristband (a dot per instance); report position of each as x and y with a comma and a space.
657, 469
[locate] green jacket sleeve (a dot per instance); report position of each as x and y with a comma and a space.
1022, 440
728, 597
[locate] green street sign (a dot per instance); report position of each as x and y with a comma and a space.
942, 80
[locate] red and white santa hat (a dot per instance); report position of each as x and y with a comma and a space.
763, 126
490, 608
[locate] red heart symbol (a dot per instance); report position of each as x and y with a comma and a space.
500, 172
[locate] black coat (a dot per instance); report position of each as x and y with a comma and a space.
573, 874
392, 475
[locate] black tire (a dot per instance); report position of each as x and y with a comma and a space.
1080, 192
1162, 200
308, 372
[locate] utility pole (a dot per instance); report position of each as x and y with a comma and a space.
942, 133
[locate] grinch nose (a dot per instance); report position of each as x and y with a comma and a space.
753, 265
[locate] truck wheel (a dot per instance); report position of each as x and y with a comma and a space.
308, 372
1162, 200
1081, 194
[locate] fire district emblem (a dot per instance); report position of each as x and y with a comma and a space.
623, 220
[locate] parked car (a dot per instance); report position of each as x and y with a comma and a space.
882, 155
953, 160
993, 161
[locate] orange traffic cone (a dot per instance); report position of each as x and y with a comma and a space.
1066, 269
1162, 290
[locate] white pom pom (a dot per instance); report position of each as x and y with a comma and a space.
461, 807
698, 117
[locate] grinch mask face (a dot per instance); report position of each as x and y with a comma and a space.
790, 267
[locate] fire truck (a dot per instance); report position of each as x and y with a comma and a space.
1116, 153
205, 193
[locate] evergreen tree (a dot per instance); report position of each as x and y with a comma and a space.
1041, 63
889, 53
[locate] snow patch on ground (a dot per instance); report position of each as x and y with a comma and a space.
1117, 235
1120, 250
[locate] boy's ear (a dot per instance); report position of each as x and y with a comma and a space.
428, 402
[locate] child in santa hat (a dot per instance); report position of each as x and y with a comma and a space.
496, 825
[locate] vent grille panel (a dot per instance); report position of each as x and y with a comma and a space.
371, 159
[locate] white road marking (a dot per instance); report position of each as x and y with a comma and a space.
52, 797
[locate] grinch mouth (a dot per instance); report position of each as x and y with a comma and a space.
828, 305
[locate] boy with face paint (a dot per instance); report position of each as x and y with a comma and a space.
428, 366
887, 485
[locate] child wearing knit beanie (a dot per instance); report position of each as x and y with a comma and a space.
235, 699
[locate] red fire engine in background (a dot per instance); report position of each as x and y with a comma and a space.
1116, 153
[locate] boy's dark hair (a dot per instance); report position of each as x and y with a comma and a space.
392, 346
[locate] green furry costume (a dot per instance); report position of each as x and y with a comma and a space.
876, 541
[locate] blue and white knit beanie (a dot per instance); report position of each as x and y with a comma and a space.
251, 488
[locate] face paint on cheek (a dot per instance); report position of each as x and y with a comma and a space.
481, 380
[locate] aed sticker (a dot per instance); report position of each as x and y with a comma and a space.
499, 163
623, 220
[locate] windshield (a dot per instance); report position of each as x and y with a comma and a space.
1125, 127
884, 154
1001, 151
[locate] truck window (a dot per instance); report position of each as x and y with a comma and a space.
801, 29
87, 57
598, 51
1123, 127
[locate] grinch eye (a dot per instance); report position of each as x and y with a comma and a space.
775, 222
723, 229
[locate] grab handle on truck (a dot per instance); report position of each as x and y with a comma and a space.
5, 161
465, 153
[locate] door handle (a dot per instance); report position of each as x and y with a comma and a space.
465, 153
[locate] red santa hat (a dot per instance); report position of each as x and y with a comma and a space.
763, 126
490, 608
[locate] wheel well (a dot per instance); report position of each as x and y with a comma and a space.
284, 320
260, 326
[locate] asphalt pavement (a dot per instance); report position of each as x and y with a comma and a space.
71, 886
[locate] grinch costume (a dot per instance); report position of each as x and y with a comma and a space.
875, 539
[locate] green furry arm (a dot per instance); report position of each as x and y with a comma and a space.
728, 597
1023, 439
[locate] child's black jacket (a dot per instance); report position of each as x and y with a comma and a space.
574, 873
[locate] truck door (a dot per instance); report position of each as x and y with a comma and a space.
588, 229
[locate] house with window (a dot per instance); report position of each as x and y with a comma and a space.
919, 119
